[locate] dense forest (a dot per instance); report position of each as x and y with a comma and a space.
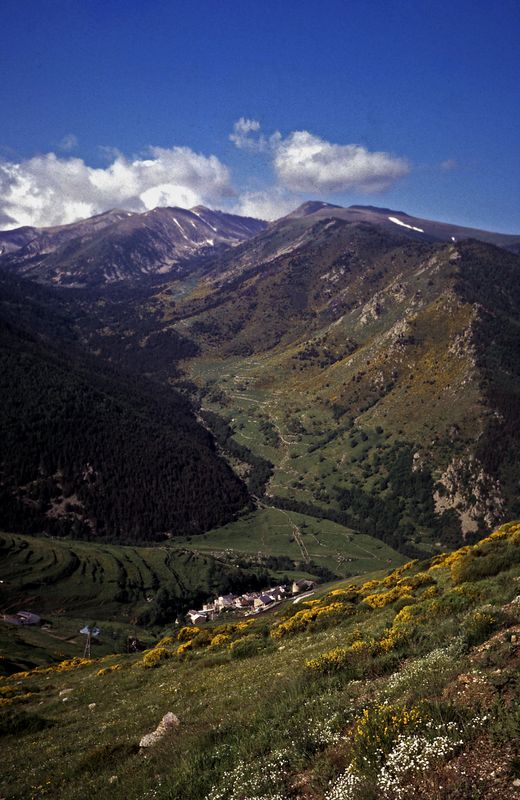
89, 452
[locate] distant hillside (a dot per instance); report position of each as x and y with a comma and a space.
378, 336
358, 365
91, 453
120, 246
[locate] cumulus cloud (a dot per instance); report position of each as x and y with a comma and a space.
266, 204
304, 162
246, 135
52, 190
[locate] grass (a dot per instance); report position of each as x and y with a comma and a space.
108, 581
270, 532
272, 720
72, 583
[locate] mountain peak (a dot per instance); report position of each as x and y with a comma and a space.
310, 207
378, 210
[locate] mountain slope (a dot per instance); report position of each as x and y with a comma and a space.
403, 686
369, 329
122, 246
92, 453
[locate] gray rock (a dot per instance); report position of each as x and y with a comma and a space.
167, 725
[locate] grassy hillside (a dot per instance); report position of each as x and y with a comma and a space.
310, 544
124, 589
399, 687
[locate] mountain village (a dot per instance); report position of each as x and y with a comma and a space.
250, 603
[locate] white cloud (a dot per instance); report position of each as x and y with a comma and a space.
267, 204
304, 162
50, 190
242, 138
69, 142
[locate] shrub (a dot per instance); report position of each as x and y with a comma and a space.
311, 617
246, 646
184, 648
378, 728
152, 658
219, 640
187, 633
385, 598
108, 670
345, 659
480, 623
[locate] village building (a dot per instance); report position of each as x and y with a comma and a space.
196, 617
302, 585
247, 603
225, 601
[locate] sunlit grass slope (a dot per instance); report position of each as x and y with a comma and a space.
397, 687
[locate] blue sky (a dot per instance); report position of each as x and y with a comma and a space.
411, 105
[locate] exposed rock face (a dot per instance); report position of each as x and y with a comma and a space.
474, 495
166, 726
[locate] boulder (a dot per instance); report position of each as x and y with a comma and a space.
167, 725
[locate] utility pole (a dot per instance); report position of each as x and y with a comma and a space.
86, 652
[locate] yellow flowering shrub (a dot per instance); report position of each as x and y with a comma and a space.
152, 658
16, 698
184, 647
308, 616
166, 641
403, 626
341, 658
229, 628
447, 559
108, 670
219, 640
63, 666
377, 729
417, 580
187, 633
396, 575
348, 595
369, 586
385, 598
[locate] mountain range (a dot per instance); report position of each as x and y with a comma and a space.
121, 245
364, 362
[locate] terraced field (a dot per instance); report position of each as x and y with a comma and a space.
121, 588
109, 581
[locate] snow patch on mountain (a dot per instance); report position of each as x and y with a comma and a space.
405, 225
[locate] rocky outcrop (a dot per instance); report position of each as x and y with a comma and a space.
473, 494
166, 726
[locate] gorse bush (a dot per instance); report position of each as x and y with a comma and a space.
377, 729
347, 659
480, 623
246, 646
152, 658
